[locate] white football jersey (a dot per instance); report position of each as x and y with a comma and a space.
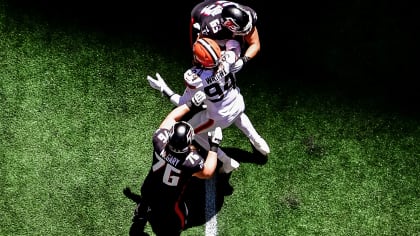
224, 100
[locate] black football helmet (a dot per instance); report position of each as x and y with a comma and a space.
180, 137
237, 20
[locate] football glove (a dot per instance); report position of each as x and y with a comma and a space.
197, 100
215, 138
239, 64
234, 46
160, 84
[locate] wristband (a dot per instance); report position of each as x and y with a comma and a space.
189, 104
214, 148
245, 59
168, 93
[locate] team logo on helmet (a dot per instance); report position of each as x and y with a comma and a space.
180, 137
237, 20
230, 23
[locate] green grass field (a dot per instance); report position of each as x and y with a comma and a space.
77, 116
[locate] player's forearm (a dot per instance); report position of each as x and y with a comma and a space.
209, 166
175, 115
175, 99
253, 41
252, 50
171, 95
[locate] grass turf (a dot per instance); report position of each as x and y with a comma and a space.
77, 116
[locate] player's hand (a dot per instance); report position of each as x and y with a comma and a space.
154, 83
215, 138
158, 84
239, 64
197, 100
234, 46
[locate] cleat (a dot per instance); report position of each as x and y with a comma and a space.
229, 166
260, 145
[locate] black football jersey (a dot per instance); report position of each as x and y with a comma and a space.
208, 15
169, 172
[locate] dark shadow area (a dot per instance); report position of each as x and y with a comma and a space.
196, 190
195, 195
358, 50
164, 26
239, 155
195, 198
361, 50
243, 156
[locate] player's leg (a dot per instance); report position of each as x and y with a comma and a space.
164, 220
139, 219
229, 164
202, 125
245, 125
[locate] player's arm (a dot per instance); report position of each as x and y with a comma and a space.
160, 84
175, 115
195, 27
209, 166
215, 137
178, 112
192, 82
253, 41
231, 60
194, 30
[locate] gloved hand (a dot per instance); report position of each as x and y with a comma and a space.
215, 138
245, 59
234, 46
160, 84
197, 100
239, 64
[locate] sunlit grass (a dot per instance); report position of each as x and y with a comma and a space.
77, 115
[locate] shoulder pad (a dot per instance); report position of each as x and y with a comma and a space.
191, 79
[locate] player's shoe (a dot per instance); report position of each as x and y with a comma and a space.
137, 228
261, 145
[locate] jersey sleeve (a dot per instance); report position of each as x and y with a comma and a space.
194, 162
195, 21
253, 15
186, 96
193, 83
160, 139
192, 80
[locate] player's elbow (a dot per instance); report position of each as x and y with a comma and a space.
207, 173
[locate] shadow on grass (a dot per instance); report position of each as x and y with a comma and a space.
243, 156
195, 193
201, 207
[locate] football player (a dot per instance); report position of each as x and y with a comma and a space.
175, 162
214, 74
225, 20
